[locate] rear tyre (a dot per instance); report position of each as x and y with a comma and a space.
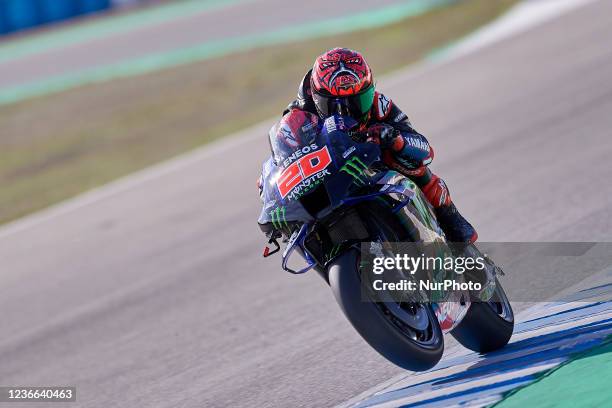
487, 326
379, 324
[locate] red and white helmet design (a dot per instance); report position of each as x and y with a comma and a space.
341, 72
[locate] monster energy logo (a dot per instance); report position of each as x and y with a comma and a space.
298, 191
278, 218
355, 168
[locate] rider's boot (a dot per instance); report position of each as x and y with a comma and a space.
455, 227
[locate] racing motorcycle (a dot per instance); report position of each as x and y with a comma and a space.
327, 195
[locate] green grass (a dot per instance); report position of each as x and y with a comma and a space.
584, 381
54, 147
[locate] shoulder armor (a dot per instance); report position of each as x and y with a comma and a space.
382, 106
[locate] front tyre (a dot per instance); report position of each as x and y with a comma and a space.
487, 326
415, 347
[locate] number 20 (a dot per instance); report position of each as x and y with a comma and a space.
302, 169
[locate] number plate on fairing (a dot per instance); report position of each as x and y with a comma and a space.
304, 173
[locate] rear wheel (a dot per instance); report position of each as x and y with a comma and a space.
487, 326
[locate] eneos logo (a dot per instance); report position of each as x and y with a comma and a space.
302, 170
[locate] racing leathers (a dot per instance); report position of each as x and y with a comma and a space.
406, 151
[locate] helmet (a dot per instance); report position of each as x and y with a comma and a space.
342, 83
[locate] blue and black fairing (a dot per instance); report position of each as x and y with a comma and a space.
322, 215
319, 194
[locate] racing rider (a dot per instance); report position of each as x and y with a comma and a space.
341, 83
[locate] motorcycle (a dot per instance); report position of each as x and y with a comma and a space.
327, 195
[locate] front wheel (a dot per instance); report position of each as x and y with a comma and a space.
487, 326
408, 335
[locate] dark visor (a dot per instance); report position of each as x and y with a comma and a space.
355, 106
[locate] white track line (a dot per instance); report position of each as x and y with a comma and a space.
523, 16
530, 13
136, 179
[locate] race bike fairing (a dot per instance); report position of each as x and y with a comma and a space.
335, 205
305, 156
295, 130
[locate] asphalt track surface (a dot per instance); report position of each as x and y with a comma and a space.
548, 335
183, 30
156, 295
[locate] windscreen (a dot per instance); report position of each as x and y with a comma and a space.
293, 137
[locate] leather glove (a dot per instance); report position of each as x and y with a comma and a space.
382, 134
338, 123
